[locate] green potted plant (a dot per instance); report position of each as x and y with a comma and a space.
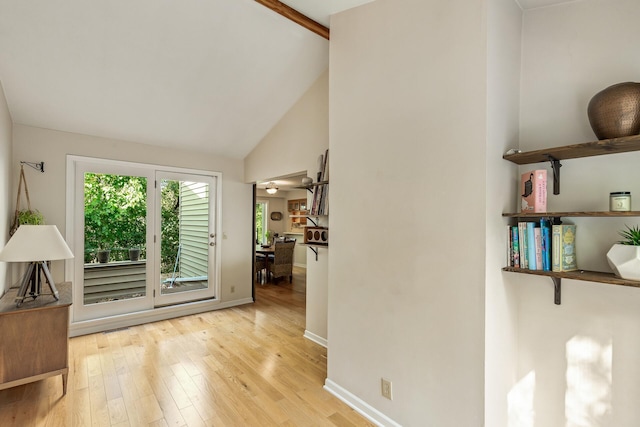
134, 254
103, 255
624, 256
30, 217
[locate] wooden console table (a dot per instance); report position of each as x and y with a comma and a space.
34, 338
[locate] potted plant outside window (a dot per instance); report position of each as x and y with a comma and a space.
624, 256
134, 254
103, 255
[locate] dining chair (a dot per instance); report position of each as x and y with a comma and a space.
281, 264
260, 267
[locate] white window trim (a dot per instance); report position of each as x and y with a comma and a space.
90, 326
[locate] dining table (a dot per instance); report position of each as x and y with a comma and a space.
268, 250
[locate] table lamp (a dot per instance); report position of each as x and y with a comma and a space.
36, 244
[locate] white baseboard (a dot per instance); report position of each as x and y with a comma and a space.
162, 313
359, 405
316, 338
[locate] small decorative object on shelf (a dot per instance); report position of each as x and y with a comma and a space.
624, 256
615, 111
620, 201
533, 187
316, 235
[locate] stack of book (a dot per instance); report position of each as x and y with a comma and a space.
542, 246
320, 204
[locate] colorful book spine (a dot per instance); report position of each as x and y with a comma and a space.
545, 229
533, 187
522, 232
509, 247
563, 247
531, 246
516, 246
538, 244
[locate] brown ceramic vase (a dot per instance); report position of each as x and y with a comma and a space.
615, 111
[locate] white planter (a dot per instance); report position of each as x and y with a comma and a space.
624, 260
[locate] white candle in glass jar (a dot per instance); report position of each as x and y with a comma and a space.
620, 201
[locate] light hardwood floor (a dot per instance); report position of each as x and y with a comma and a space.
245, 366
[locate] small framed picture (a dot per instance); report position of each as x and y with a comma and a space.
276, 216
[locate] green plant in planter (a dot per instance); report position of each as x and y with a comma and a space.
30, 218
631, 236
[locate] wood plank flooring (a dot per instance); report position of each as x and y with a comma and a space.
244, 366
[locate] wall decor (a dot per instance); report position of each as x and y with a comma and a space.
276, 216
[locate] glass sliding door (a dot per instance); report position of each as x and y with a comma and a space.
112, 230
142, 238
187, 237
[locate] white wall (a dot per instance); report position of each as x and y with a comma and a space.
408, 137
292, 146
578, 363
7, 196
504, 25
275, 203
47, 190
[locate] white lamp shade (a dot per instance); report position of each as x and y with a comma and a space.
36, 243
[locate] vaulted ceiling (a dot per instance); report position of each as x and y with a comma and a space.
207, 75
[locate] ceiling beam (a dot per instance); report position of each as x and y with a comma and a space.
296, 17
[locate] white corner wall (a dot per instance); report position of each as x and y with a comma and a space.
407, 258
504, 26
6, 195
296, 141
578, 363
293, 146
47, 190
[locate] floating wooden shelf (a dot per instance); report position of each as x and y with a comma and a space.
575, 151
589, 276
571, 214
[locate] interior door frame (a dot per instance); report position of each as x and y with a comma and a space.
72, 221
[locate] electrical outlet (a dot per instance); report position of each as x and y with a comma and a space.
386, 388
233, 289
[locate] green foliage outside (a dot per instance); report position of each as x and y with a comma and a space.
260, 231
170, 233
115, 213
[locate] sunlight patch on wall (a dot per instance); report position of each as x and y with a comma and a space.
589, 381
520, 402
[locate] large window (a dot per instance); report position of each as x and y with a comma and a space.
261, 222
